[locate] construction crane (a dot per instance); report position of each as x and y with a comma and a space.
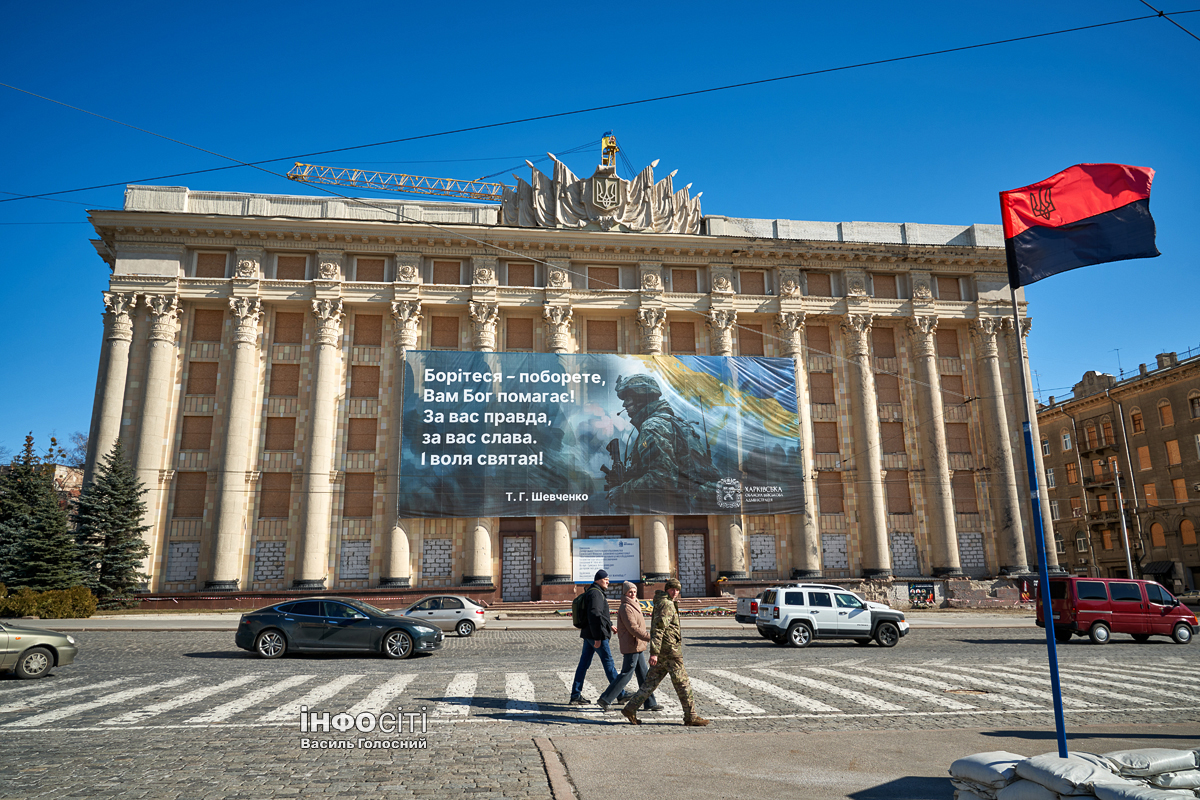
397, 182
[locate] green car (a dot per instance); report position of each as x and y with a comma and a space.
32, 652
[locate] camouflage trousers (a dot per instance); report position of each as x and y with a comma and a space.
679, 678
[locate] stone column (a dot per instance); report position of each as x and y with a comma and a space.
939, 497
318, 462
477, 560
1043, 490
236, 451
802, 528
656, 561
868, 465
161, 357
556, 531
484, 317
1010, 540
651, 321
397, 572
558, 320
731, 541
108, 407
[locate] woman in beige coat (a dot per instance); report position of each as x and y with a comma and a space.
633, 637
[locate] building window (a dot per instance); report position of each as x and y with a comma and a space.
750, 340
1076, 508
1143, 454
359, 494
1137, 422
189, 495
289, 327
1066, 441
1166, 416
819, 284
953, 392
819, 343
825, 437
958, 437
1054, 511
891, 435
447, 273
1198, 445
364, 381
1187, 532
948, 288
1179, 486
884, 286
1173, 457
444, 332
202, 377
211, 265
1158, 535
1089, 436
884, 340
518, 333
683, 337
196, 434
754, 283
962, 487
207, 324
285, 380
1107, 538
1102, 502
602, 336
275, 496
1106, 432
1194, 406
604, 278
887, 389
1072, 474
368, 330
369, 270
829, 492
1045, 447
947, 343
1150, 492
1097, 467
1081, 544
290, 268
361, 433
520, 275
899, 501
820, 388
1059, 545
281, 433
1050, 478
684, 281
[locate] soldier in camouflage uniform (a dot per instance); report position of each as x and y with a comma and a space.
652, 465
666, 658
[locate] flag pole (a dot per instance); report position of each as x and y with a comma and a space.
1036, 514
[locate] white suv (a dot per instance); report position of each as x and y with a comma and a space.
799, 612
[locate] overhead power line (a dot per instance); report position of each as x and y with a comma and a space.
558, 114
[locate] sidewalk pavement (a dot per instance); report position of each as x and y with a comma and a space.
863, 765
228, 621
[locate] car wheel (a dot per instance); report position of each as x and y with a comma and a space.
1140, 637
35, 663
397, 644
887, 634
1099, 634
465, 628
799, 635
863, 640
1182, 634
270, 644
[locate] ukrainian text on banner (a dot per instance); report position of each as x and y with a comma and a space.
538, 434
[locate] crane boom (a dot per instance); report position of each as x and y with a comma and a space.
397, 182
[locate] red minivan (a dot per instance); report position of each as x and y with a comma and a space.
1100, 607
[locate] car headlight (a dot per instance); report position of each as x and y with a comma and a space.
71, 639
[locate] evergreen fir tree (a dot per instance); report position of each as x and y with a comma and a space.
108, 529
36, 547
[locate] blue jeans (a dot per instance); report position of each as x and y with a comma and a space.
585, 661
631, 664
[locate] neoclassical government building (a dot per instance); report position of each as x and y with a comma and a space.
252, 347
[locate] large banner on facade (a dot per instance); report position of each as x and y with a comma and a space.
540, 434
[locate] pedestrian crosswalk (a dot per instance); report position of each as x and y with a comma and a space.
773, 690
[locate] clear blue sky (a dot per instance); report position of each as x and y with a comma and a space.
928, 140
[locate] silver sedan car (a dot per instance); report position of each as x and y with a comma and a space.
449, 612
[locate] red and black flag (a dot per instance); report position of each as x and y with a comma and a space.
1086, 214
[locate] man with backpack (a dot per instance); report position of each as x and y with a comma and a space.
589, 613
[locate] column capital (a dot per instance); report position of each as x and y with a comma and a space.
721, 323
790, 325
985, 330
407, 314
484, 317
247, 311
164, 317
117, 306
921, 329
558, 320
652, 321
328, 314
855, 328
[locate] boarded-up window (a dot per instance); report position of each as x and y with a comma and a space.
602, 335
953, 391
1106, 432
364, 381
1165, 415
368, 330
368, 269
891, 436
947, 343
1137, 422
1158, 535
1090, 436
281, 433
196, 434
601, 278
829, 492
189, 494
361, 434
275, 495
444, 333
206, 325
210, 265
1103, 502
290, 268
684, 280
962, 486
289, 327
885, 286
202, 377
1187, 532
1150, 492
958, 437
825, 437
518, 334
359, 494
1107, 538
887, 388
884, 340
1179, 487
447, 272
819, 284
948, 288
754, 283
683, 337
818, 341
820, 387
1076, 507
1072, 474
520, 274
750, 340
1098, 468
285, 380
1173, 452
898, 499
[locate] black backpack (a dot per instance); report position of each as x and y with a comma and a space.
578, 612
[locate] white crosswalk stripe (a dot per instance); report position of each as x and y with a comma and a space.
14, 688
106, 700
226, 710
291, 710
37, 700
1171, 673
918, 694
459, 694
143, 714
1009, 686
933, 683
724, 698
1142, 687
773, 690
519, 691
821, 686
1069, 679
379, 697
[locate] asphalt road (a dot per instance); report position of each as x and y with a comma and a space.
187, 715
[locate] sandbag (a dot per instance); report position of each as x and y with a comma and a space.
1151, 761
1139, 791
1188, 779
995, 769
1025, 790
1073, 775
967, 794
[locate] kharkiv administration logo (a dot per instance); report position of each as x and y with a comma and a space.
729, 493
1040, 202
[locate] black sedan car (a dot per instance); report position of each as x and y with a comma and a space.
333, 624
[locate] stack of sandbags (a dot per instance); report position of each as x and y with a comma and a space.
1149, 774
981, 776
1170, 773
